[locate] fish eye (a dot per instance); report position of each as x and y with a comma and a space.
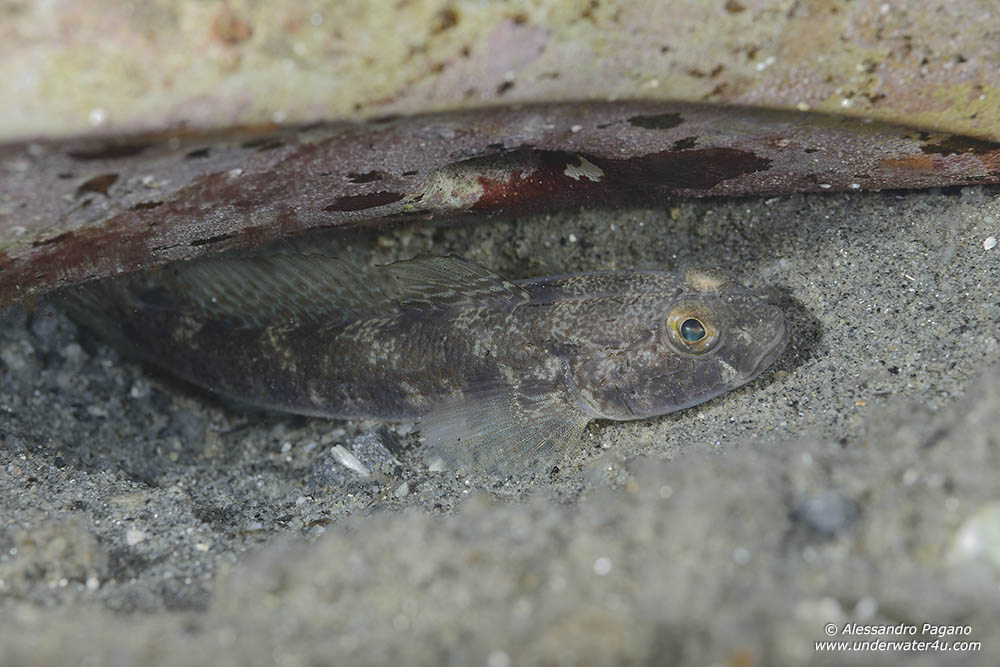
692, 330
690, 327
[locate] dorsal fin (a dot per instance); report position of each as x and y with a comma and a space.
297, 289
272, 290
429, 281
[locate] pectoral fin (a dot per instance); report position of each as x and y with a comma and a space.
494, 427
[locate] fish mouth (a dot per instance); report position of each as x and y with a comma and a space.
770, 353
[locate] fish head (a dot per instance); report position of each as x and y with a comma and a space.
707, 336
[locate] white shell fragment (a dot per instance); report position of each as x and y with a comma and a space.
349, 460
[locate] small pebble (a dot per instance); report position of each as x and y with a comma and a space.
133, 536
978, 538
866, 608
990, 243
334, 435
827, 512
139, 390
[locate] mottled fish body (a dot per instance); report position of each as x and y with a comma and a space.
500, 373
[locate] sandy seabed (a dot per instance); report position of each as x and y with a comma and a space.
852, 484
